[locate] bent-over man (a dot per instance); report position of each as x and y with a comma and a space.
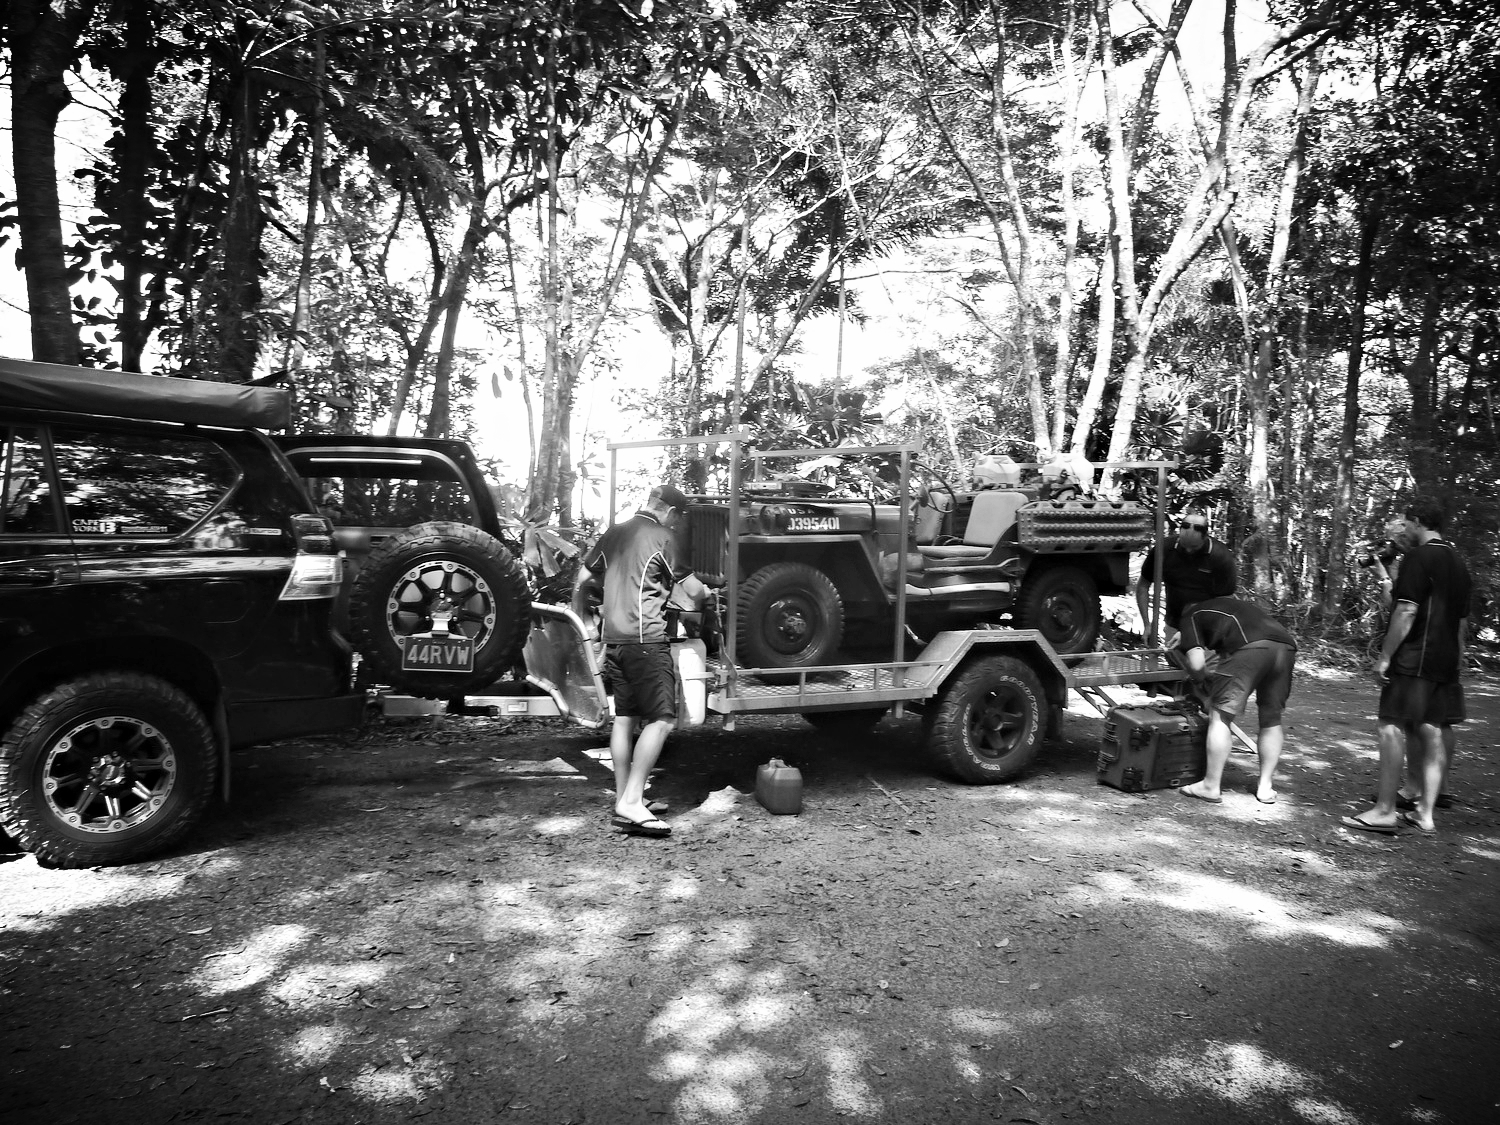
1256, 653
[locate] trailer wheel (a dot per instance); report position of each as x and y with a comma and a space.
1061, 603
448, 567
790, 616
988, 722
845, 725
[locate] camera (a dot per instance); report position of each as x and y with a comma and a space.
1385, 554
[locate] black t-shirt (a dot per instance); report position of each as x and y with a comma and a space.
1436, 581
1227, 625
1192, 577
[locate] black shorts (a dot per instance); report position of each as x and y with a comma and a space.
644, 679
1264, 667
1411, 700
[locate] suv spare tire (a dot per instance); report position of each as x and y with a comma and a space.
434, 567
1061, 603
790, 616
108, 768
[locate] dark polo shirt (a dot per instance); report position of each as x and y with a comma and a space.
1192, 576
1433, 578
637, 561
1226, 625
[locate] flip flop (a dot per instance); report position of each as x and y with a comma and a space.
1200, 797
1366, 826
1271, 800
652, 827
1411, 822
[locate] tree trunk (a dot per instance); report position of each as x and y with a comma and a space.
134, 158
1075, 81
1425, 428
296, 344
1343, 488
1117, 193
234, 298
43, 37
1104, 350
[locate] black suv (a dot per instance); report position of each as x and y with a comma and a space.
166, 590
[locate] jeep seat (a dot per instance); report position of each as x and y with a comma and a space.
992, 515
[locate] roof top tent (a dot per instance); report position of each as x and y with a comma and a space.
901, 679
28, 385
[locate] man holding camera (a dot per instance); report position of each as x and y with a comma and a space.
1418, 669
1195, 568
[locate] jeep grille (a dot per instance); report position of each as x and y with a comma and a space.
708, 541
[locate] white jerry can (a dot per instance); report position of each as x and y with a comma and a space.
691, 659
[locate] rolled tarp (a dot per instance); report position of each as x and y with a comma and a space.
29, 385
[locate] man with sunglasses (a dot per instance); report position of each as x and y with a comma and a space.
1194, 568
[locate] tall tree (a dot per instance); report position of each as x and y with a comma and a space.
43, 37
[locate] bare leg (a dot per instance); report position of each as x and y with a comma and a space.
630, 793
1434, 766
1220, 739
621, 741
1411, 786
1392, 753
1268, 744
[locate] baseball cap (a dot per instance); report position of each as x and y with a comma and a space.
670, 495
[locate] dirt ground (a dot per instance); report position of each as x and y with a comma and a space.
433, 920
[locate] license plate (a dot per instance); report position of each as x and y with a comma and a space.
813, 523
437, 652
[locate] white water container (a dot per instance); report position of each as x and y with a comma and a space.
691, 659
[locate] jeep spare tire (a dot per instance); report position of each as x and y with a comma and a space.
430, 573
790, 616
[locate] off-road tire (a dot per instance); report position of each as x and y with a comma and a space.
1061, 603
989, 721
846, 725
790, 616
108, 768
410, 573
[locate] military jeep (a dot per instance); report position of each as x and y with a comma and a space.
819, 576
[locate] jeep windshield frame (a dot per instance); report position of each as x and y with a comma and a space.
28, 385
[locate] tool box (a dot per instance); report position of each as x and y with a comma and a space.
1156, 746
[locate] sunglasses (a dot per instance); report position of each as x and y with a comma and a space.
1193, 526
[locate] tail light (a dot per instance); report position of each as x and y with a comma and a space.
317, 568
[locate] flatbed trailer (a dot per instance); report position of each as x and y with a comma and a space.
988, 696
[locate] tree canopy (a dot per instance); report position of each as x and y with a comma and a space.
1258, 239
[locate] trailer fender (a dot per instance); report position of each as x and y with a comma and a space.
1028, 646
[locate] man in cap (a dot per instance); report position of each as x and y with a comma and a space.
638, 564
